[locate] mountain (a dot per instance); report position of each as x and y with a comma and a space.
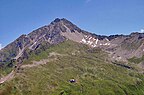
120, 47
62, 59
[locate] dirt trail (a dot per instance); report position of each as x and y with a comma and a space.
43, 61
36, 63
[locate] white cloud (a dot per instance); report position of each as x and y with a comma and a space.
141, 31
0, 46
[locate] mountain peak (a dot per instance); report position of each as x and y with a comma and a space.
64, 25
61, 21
57, 20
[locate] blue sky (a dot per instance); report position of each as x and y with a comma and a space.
104, 17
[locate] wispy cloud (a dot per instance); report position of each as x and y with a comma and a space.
140, 31
87, 1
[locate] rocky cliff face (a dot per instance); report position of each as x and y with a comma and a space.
120, 47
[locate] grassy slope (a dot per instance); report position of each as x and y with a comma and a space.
90, 68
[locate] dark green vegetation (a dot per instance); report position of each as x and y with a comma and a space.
91, 68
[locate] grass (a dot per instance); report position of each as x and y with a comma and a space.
93, 73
